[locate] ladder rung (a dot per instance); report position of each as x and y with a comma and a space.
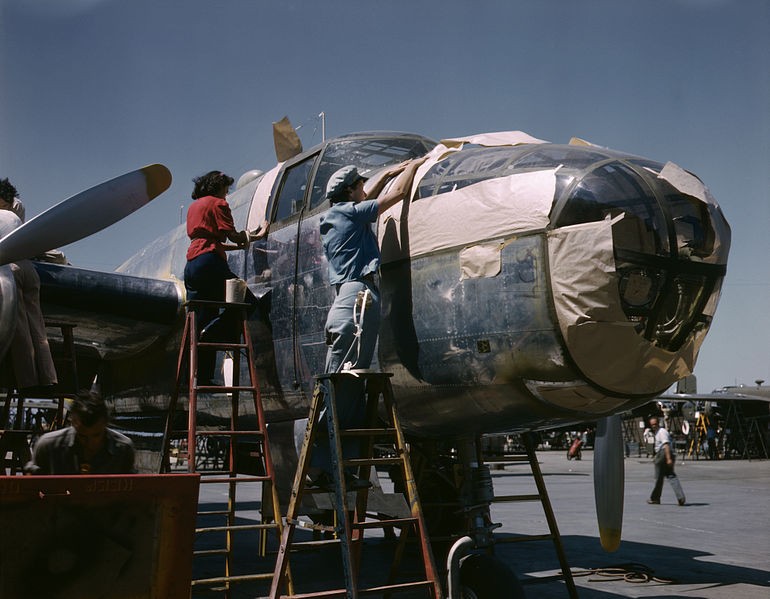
366, 432
236, 527
372, 461
319, 594
504, 498
200, 433
394, 587
384, 523
310, 525
223, 389
310, 545
223, 579
213, 513
233, 479
221, 345
403, 586
508, 459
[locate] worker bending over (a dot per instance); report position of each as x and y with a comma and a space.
87, 446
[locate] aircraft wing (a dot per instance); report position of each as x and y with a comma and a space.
115, 314
721, 396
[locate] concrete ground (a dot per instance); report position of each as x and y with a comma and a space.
715, 547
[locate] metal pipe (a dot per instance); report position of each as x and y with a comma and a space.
453, 566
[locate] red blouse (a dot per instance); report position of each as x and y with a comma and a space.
208, 220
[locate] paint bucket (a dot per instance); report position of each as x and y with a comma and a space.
235, 291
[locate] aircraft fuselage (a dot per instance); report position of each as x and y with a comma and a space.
524, 284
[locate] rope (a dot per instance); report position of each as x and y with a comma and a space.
358, 321
630, 572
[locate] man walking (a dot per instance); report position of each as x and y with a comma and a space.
664, 464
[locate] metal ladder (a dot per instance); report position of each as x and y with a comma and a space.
252, 444
351, 522
542, 496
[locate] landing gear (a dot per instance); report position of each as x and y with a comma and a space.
454, 478
486, 577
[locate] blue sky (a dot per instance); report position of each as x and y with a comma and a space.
94, 88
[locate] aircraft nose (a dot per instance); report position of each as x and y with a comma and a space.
658, 245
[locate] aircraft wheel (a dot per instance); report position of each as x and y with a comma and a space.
485, 577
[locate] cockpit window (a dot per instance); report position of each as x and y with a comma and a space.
368, 154
292, 193
610, 190
461, 169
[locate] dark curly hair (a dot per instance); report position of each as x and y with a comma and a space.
7, 191
89, 407
210, 183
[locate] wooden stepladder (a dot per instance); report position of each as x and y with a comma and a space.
350, 508
530, 457
236, 449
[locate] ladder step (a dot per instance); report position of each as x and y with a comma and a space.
233, 479
404, 586
267, 526
224, 579
223, 389
220, 432
310, 525
372, 461
508, 459
222, 345
383, 523
504, 498
366, 432
213, 513
297, 546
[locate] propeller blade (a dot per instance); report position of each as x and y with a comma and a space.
85, 213
609, 478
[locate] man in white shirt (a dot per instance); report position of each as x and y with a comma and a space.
664, 464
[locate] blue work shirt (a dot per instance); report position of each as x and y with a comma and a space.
349, 242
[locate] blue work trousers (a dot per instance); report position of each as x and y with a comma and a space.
345, 346
204, 279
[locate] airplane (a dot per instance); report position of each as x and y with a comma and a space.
525, 285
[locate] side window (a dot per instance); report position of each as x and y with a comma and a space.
293, 187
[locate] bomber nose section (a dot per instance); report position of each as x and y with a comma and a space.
660, 243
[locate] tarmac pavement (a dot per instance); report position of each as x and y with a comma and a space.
717, 546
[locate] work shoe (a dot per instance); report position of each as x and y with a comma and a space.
653, 502
325, 482
354, 483
322, 481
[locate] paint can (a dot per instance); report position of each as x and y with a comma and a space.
235, 291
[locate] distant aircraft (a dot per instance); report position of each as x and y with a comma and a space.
525, 285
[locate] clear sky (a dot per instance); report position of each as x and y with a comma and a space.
95, 88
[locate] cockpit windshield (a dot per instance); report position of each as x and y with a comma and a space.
611, 190
369, 153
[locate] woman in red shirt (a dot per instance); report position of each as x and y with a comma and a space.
209, 226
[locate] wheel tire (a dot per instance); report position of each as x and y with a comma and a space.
486, 577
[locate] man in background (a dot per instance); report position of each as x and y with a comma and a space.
33, 365
664, 464
87, 446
